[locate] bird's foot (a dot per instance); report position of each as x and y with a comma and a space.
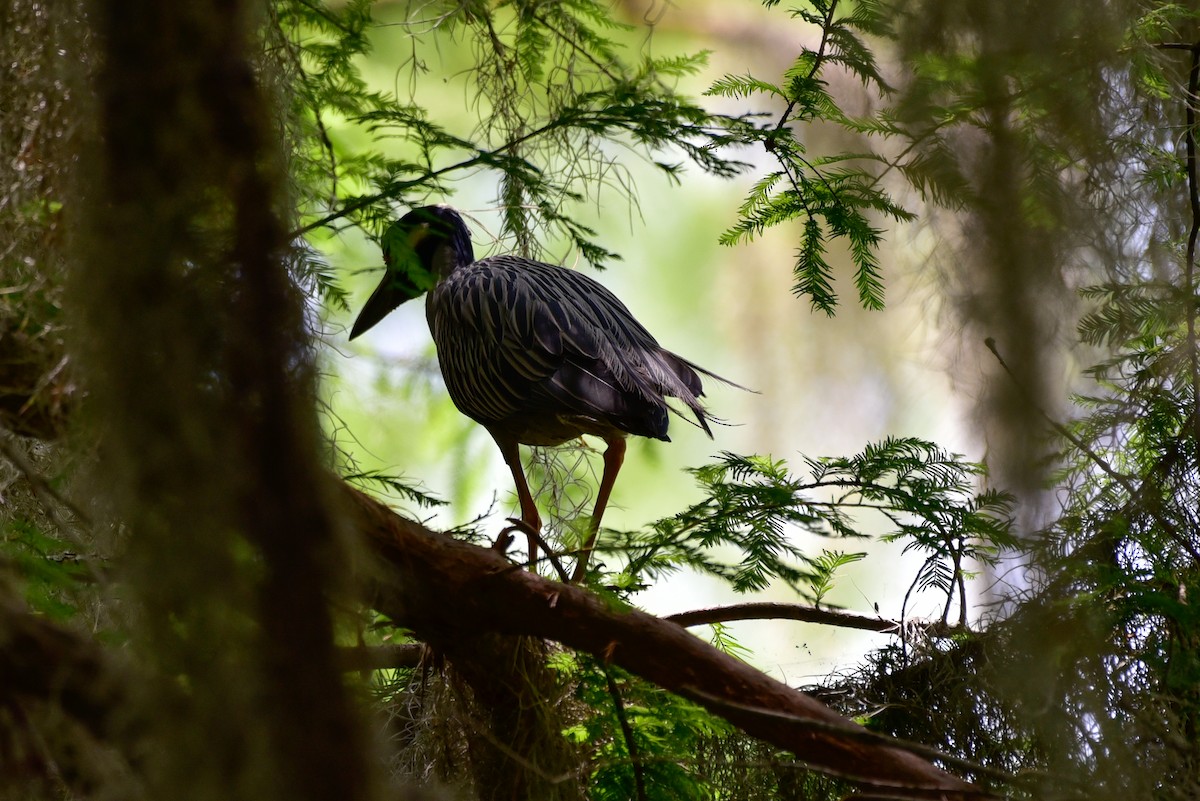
535, 541
504, 539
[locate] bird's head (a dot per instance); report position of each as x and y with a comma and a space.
419, 249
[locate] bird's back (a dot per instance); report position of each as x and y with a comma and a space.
544, 353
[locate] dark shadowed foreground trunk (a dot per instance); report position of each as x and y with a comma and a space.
191, 341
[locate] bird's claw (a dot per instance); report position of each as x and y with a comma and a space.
505, 537
535, 538
503, 540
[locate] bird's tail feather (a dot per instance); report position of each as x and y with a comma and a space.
689, 389
712, 375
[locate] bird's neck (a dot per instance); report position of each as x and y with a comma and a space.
446, 260
451, 253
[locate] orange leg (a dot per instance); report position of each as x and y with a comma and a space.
529, 513
614, 457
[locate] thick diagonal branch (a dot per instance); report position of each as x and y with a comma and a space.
441, 588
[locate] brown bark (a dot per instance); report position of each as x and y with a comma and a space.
444, 589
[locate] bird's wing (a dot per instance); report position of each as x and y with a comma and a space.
515, 334
610, 365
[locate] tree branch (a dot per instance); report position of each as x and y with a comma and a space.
444, 589
804, 614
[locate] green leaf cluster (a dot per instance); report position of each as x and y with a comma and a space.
554, 87
659, 737
834, 197
744, 531
51, 568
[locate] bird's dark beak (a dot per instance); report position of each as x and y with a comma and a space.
394, 289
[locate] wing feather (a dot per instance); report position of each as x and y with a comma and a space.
515, 335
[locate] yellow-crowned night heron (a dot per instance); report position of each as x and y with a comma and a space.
536, 354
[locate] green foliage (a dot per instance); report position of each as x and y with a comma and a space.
1140, 315
398, 486
50, 567
557, 86
723, 640
1157, 24
665, 731
835, 197
825, 568
743, 532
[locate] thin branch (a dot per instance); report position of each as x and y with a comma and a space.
574, 45
769, 142
328, 17
635, 759
806, 614
828, 21
960, 580
293, 51
393, 190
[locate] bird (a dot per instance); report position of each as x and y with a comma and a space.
536, 353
